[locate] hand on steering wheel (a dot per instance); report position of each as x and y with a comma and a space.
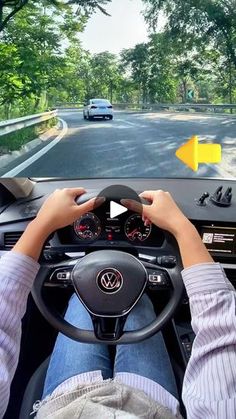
61, 209
162, 211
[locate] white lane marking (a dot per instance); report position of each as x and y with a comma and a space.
39, 154
133, 124
228, 121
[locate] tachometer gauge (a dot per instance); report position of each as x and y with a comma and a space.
88, 227
135, 230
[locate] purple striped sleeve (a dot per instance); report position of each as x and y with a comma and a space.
209, 389
17, 273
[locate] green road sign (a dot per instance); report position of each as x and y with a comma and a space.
191, 94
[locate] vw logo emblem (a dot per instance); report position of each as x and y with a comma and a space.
110, 280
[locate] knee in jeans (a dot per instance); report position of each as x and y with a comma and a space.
142, 314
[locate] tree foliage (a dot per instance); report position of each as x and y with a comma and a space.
31, 56
202, 26
206, 20
9, 8
91, 6
42, 61
136, 61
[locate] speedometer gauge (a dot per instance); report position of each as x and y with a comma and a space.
88, 227
135, 229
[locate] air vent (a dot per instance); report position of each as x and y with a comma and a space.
11, 238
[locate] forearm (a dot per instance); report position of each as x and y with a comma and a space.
210, 379
192, 250
32, 240
18, 270
17, 273
209, 384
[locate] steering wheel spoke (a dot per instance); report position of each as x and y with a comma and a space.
108, 328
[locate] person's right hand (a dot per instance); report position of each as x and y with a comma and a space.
162, 211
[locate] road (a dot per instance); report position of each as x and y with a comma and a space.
133, 145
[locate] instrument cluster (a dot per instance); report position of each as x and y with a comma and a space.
128, 227
89, 228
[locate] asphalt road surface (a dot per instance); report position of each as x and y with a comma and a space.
133, 145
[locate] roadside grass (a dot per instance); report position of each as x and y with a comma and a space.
15, 140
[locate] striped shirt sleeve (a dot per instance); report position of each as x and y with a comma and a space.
209, 389
17, 273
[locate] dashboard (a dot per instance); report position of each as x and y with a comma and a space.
216, 224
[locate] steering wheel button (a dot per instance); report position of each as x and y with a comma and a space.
63, 276
157, 279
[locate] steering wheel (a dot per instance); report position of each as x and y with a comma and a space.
109, 283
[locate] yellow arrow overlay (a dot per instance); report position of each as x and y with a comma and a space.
192, 153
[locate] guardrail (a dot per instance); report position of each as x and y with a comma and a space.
187, 107
178, 107
13, 125
69, 105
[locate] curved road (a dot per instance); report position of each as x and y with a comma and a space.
133, 145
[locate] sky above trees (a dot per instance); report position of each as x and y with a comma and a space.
124, 29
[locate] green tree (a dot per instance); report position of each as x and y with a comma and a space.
74, 82
91, 6
104, 76
37, 63
201, 24
9, 8
150, 66
191, 68
162, 81
136, 63
11, 83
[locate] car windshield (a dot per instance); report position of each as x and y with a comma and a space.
163, 71
100, 102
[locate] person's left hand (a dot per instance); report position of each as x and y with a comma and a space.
60, 209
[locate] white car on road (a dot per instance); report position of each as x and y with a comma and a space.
100, 108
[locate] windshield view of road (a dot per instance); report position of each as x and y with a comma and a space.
132, 145
118, 88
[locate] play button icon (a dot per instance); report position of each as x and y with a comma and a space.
116, 209
114, 198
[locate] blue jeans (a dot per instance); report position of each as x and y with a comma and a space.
149, 358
